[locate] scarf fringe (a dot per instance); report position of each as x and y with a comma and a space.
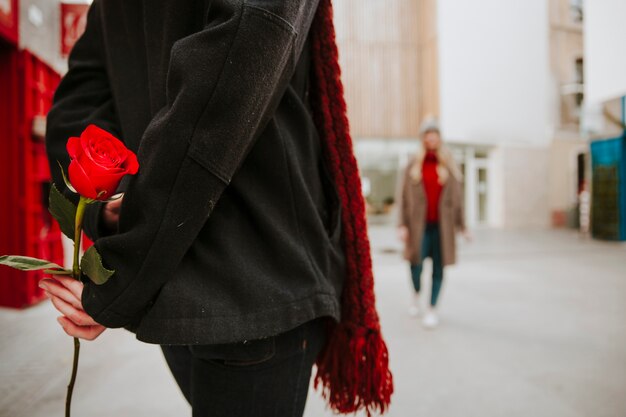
353, 368
353, 371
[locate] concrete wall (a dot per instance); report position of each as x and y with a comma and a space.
564, 172
605, 63
525, 192
40, 31
494, 71
566, 46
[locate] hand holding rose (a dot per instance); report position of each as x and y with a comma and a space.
98, 162
111, 213
65, 294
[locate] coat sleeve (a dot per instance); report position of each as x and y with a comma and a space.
459, 211
83, 97
401, 197
223, 85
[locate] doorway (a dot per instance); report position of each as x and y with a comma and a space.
474, 163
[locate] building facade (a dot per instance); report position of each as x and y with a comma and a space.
505, 78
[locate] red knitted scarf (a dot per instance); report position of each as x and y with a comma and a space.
353, 368
432, 186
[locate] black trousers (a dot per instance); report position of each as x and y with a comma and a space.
256, 378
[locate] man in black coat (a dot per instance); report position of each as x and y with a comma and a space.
227, 252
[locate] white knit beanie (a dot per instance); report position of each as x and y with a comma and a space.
429, 124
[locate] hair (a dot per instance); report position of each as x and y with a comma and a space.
447, 165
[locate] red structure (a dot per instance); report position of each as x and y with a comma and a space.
26, 227
9, 20
73, 21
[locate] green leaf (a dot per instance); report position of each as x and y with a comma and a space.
58, 272
91, 265
26, 263
63, 210
67, 182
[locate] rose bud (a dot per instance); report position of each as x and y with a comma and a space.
98, 162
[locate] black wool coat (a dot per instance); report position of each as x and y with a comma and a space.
231, 229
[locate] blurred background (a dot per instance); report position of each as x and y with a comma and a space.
520, 89
531, 99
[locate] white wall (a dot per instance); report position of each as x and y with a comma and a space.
605, 60
494, 71
40, 31
525, 197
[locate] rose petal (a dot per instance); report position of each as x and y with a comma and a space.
102, 160
131, 165
73, 147
90, 167
93, 131
103, 148
119, 151
103, 154
106, 182
80, 180
116, 149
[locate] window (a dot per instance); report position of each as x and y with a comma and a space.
580, 80
576, 10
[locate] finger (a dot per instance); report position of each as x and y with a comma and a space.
115, 205
52, 287
73, 285
111, 217
111, 211
82, 332
77, 316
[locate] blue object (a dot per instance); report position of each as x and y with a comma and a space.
608, 162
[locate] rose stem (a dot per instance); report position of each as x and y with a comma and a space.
70, 387
78, 228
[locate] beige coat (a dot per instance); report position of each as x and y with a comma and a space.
412, 206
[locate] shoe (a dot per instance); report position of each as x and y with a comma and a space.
430, 320
414, 307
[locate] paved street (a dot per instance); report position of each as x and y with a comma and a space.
532, 324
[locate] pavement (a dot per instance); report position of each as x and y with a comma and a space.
532, 324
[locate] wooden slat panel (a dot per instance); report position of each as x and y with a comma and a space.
379, 54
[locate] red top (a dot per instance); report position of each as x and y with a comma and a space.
432, 187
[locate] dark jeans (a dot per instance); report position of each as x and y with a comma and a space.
431, 248
265, 377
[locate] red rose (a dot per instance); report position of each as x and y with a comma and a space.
98, 162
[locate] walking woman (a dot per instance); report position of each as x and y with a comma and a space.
430, 213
